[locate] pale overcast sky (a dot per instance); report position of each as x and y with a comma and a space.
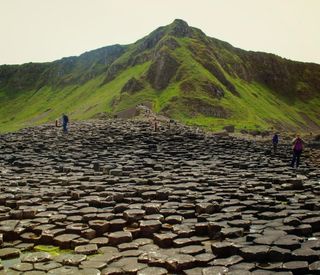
46, 30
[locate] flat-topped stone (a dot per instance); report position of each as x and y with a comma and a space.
70, 259
119, 237
9, 252
153, 271
46, 266
64, 240
36, 257
86, 249
180, 262
22, 267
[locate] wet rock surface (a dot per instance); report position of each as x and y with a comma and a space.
127, 200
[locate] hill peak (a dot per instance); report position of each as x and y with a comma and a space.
180, 28
179, 22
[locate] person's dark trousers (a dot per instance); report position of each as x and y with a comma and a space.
275, 145
296, 158
65, 129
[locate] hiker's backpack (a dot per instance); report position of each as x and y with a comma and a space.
298, 144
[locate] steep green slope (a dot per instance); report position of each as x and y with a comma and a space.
180, 71
47, 104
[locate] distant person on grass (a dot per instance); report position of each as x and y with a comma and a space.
275, 141
65, 121
297, 147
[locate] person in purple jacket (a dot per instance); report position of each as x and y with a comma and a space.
297, 148
275, 141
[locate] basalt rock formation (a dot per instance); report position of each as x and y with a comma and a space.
128, 200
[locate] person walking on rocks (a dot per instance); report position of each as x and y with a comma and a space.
297, 147
171, 122
65, 121
275, 141
156, 125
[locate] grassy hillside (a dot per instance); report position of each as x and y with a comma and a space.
179, 70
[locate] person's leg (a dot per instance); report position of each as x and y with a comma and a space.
64, 127
293, 161
298, 158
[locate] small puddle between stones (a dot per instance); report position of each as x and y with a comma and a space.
10, 262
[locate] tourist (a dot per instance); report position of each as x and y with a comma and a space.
156, 125
297, 147
170, 121
65, 121
275, 141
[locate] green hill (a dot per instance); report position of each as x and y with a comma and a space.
177, 69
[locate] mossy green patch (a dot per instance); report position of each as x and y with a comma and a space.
52, 250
